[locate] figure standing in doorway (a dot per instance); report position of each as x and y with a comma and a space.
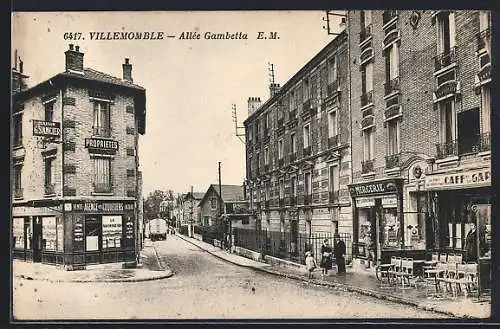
470, 247
339, 251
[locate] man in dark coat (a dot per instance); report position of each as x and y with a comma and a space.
339, 252
470, 247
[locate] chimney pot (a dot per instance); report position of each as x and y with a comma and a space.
126, 60
127, 71
77, 48
70, 46
74, 59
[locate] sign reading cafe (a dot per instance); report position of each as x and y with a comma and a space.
464, 179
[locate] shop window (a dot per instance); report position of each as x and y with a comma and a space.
92, 233
60, 234
414, 223
366, 234
390, 227
49, 233
111, 231
18, 232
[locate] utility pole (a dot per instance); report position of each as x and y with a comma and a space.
220, 208
236, 127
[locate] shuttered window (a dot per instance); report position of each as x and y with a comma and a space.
102, 174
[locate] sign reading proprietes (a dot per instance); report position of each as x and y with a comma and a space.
101, 144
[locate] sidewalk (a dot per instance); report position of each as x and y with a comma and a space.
362, 283
149, 269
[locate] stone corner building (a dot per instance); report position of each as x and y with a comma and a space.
76, 181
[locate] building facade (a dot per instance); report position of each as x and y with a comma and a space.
420, 109
75, 166
298, 159
213, 205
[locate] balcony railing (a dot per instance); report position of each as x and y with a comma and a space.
482, 37
485, 142
101, 131
365, 33
291, 201
447, 149
333, 196
475, 144
307, 199
307, 151
332, 87
333, 141
18, 142
18, 192
292, 157
102, 187
392, 161
388, 15
280, 122
367, 166
49, 189
391, 86
445, 59
266, 204
366, 98
306, 105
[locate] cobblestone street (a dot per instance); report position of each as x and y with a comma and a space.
203, 287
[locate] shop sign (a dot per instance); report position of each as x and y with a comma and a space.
464, 179
101, 144
365, 202
100, 206
60, 234
389, 201
46, 128
111, 231
78, 231
129, 228
373, 188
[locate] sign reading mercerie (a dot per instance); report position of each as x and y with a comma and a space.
470, 178
103, 144
46, 128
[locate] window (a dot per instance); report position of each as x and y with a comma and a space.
447, 126
485, 110
367, 78
266, 191
249, 133
392, 62
111, 231
92, 233
307, 183
102, 175
49, 111
257, 161
484, 20
332, 70
266, 156
280, 149
306, 90
102, 125
393, 137
446, 32
49, 179
293, 186
332, 123
213, 202
281, 189
307, 135
333, 178
368, 144
257, 130
366, 18
17, 179
292, 101
18, 129
206, 220
391, 228
292, 143
468, 131
18, 232
49, 236
266, 122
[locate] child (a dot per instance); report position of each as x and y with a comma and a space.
310, 264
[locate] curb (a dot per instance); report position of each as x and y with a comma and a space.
343, 286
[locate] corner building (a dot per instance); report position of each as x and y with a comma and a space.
420, 103
76, 179
298, 159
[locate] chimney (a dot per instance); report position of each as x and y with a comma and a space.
74, 60
127, 71
253, 104
273, 88
18, 78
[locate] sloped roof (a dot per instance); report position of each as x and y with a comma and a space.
196, 195
91, 74
230, 193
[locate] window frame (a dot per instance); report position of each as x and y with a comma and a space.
368, 144
395, 124
107, 180
333, 123
307, 135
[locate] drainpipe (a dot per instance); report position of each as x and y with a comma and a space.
63, 214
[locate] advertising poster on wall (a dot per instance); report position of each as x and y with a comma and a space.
60, 234
49, 233
111, 231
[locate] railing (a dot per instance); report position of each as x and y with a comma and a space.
366, 98
332, 87
444, 150
365, 33
484, 74
49, 189
391, 86
367, 166
307, 151
333, 196
18, 192
388, 15
333, 141
475, 144
482, 38
101, 131
392, 161
306, 105
102, 187
444, 59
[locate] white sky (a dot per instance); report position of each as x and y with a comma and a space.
190, 84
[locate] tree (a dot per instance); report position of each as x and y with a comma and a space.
152, 203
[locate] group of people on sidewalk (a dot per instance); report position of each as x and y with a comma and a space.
338, 252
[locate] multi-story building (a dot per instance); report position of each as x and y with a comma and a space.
420, 109
297, 150
75, 166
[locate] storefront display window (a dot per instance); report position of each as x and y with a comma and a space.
92, 232
365, 232
18, 232
60, 234
390, 227
483, 216
111, 231
49, 233
414, 223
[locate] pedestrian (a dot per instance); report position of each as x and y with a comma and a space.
470, 247
339, 251
326, 258
310, 264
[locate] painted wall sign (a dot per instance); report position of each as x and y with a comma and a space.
464, 179
391, 201
46, 128
101, 206
365, 202
103, 144
374, 188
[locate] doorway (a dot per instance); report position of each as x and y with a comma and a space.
37, 239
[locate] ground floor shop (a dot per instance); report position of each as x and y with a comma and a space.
76, 232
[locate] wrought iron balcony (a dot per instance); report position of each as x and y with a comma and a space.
333, 196
306, 105
101, 131
444, 59
333, 141
482, 38
49, 189
291, 201
292, 157
365, 33
332, 88
307, 199
307, 151
475, 144
292, 114
391, 86
392, 161
388, 15
367, 166
447, 149
485, 142
18, 193
367, 98
102, 187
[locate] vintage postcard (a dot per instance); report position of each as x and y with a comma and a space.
204, 165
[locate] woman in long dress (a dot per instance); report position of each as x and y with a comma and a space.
326, 258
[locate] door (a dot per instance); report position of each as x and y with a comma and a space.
294, 233
37, 239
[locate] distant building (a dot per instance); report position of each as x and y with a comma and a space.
213, 204
75, 175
